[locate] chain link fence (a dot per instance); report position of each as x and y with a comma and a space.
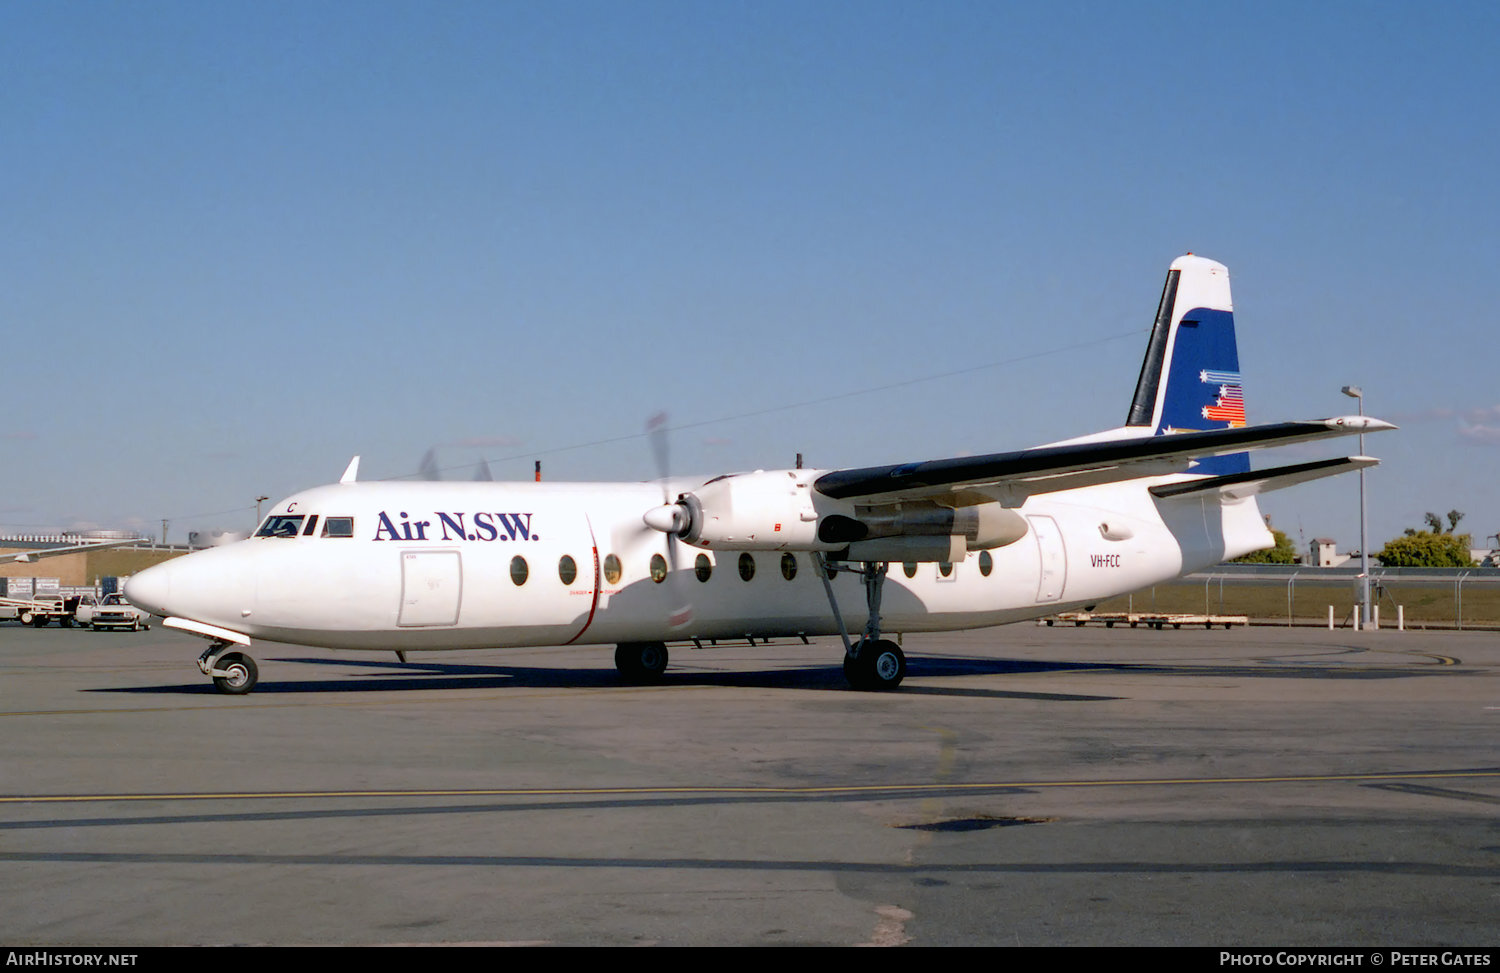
1447, 598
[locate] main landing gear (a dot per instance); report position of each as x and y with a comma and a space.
641, 662
233, 672
872, 663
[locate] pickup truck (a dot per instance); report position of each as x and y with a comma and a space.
111, 611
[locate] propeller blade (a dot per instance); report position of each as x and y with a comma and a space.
656, 429
668, 518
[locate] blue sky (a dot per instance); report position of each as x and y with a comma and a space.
244, 241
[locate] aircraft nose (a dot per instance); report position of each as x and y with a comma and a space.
151, 589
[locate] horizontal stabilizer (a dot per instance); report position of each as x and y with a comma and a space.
1237, 486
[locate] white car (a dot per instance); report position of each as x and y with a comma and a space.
111, 611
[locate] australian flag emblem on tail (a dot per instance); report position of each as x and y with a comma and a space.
1229, 405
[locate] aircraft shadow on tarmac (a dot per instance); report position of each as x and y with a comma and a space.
395, 676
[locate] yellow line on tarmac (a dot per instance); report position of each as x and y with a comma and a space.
894, 790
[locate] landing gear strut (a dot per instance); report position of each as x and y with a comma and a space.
872, 663
233, 673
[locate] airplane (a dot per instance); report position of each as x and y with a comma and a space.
929, 546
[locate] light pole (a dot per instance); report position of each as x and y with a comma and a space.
1355, 392
258, 503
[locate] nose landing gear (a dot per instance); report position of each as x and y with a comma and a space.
233, 673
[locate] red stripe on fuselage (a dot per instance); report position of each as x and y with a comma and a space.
593, 602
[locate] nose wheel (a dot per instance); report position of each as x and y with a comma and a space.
234, 673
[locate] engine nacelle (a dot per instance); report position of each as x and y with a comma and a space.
780, 510
761, 511
923, 527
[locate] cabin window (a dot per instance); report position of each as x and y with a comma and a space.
338, 527
788, 566
518, 570
703, 568
612, 570
986, 563
280, 525
658, 568
910, 568
945, 568
747, 566
567, 569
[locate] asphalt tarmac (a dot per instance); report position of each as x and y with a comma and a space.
1026, 786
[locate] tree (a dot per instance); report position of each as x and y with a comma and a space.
1435, 522
1282, 553
1427, 549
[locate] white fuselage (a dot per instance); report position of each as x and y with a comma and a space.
434, 566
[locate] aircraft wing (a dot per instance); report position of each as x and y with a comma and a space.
27, 557
1047, 469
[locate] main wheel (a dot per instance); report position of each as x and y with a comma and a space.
877, 666
240, 674
641, 661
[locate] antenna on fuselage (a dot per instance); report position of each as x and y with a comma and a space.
351, 472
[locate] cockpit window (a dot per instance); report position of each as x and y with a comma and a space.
338, 527
278, 525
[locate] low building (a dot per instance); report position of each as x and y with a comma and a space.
1324, 553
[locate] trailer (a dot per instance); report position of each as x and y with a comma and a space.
1156, 620
41, 610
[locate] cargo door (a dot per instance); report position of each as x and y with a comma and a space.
431, 588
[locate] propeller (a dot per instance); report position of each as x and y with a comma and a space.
670, 518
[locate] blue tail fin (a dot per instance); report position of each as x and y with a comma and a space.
1190, 379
